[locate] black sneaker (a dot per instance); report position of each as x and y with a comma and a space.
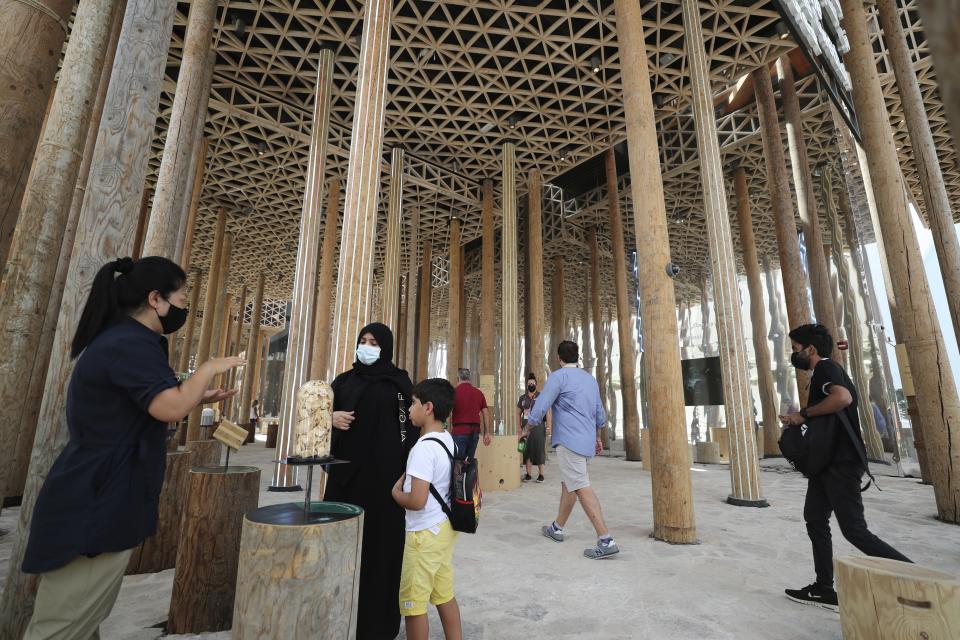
527, 477
540, 478
815, 594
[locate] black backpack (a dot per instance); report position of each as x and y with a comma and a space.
809, 447
465, 495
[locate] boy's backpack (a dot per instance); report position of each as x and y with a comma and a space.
809, 447
465, 495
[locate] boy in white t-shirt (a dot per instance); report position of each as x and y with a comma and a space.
427, 575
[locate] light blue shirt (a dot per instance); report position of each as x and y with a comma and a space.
574, 396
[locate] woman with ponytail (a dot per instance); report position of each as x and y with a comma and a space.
101, 497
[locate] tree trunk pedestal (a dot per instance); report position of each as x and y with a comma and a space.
721, 436
272, 429
206, 577
159, 552
708, 453
299, 573
206, 452
499, 464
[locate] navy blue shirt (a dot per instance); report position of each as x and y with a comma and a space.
102, 493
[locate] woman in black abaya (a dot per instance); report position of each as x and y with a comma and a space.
370, 405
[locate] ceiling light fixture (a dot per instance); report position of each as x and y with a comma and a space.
239, 26
261, 148
595, 64
512, 122
667, 58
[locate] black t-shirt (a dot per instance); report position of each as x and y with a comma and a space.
826, 373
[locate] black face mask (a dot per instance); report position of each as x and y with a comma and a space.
800, 360
175, 318
531, 387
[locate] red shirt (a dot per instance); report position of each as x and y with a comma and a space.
467, 404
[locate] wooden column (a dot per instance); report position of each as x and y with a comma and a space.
738, 403
184, 362
296, 368
462, 325
253, 357
510, 320
400, 334
391, 261
557, 322
105, 230
586, 352
31, 38
936, 392
355, 274
673, 519
186, 251
455, 297
174, 174
596, 314
209, 312
534, 292
219, 326
413, 301
817, 268
319, 369
941, 26
758, 318
423, 312
628, 376
29, 283
924, 155
611, 396
140, 233
233, 346
488, 301
779, 339
788, 246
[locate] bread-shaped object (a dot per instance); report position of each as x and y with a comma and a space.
311, 437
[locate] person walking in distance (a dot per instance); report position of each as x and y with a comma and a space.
471, 416
573, 396
836, 489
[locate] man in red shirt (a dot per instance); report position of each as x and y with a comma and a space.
471, 417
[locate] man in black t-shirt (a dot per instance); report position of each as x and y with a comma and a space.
836, 489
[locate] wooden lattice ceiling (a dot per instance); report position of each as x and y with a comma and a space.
464, 78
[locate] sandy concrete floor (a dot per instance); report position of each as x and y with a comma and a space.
512, 583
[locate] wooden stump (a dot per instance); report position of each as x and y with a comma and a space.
206, 577
499, 464
272, 430
299, 576
721, 436
708, 453
884, 599
208, 452
159, 552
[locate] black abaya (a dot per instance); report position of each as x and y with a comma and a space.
376, 444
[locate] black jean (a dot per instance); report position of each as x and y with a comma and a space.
837, 490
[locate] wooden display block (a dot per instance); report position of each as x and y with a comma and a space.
208, 452
230, 434
206, 578
721, 437
299, 574
272, 429
499, 464
708, 453
884, 599
159, 552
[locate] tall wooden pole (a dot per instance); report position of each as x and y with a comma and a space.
925, 158
400, 333
628, 376
586, 316
941, 26
936, 392
296, 369
216, 345
534, 291
462, 325
196, 169
234, 346
488, 302
779, 339
391, 262
423, 312
183, 362
355, 275
758, 318
791, 268
193, 206
509, 323
31, 38
596, 314
673, 519
209, 312
28, 287
737, 399
557, 322
180, 146
104, 231
455, 297
140, 233
253, 357
413, 299
320, 369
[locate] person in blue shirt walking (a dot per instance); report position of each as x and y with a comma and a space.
574, 396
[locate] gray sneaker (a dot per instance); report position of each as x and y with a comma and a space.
556, 536
602, 550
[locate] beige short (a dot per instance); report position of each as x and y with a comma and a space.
573, 469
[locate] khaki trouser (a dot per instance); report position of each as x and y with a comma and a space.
73, 600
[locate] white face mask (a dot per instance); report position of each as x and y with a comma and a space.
367, 354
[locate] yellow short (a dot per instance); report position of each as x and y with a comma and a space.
427, 574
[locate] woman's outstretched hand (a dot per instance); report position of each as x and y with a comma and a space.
213, 396
222, 365
342, 419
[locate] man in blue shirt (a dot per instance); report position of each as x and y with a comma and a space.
578, 416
